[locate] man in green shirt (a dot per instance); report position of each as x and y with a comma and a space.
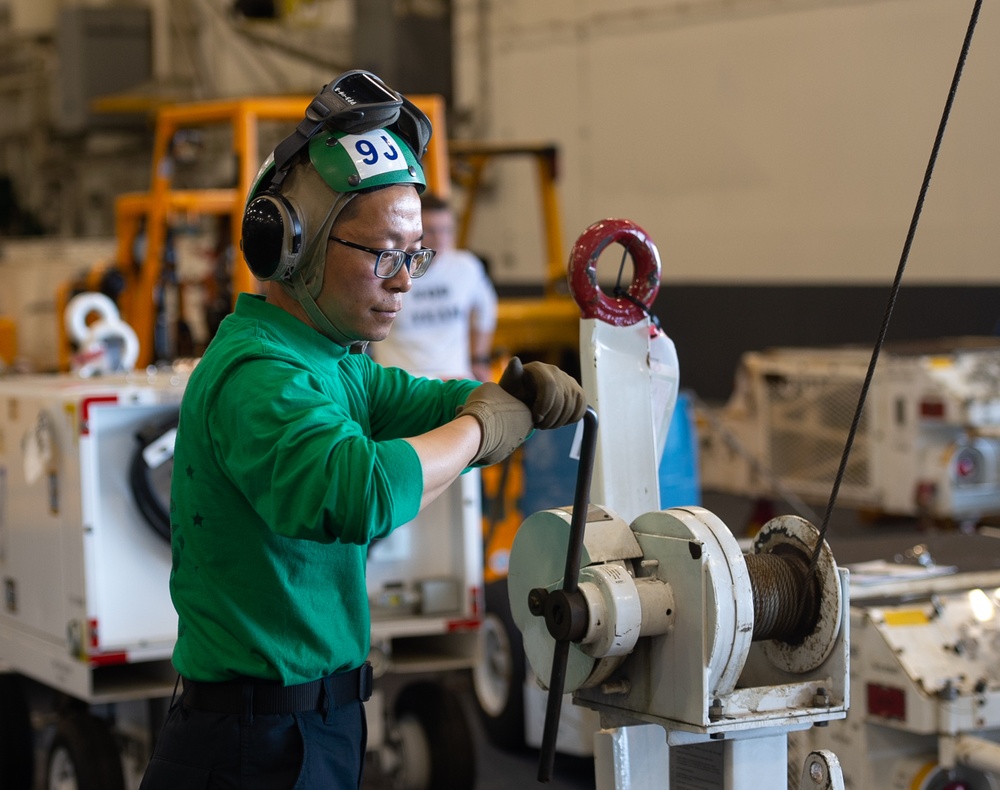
293, 452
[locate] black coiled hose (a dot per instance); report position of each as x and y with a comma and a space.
148, 485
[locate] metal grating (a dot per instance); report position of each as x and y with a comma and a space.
810, 418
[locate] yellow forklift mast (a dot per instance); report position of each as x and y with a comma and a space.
541, 324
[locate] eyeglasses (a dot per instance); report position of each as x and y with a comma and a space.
389, 262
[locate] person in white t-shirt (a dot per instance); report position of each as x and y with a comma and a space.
445, 329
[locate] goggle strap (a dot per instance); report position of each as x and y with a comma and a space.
290, 146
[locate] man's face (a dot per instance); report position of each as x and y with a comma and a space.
439, 230
360, 304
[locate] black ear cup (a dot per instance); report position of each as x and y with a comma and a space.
272, 237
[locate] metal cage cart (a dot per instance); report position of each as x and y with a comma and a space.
928, 443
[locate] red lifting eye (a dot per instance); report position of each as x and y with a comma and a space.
593, 302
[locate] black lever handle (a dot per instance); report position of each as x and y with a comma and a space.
560, 655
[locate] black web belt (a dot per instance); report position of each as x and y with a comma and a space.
263, 697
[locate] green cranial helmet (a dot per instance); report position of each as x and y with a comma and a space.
285, 230
354, 162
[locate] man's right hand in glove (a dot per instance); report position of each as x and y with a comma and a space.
504, 420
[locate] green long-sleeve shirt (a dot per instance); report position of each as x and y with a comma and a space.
289, 459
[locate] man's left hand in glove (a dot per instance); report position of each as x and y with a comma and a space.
553, 396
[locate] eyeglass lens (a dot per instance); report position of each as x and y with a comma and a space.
391, 261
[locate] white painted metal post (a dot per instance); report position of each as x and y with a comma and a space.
631, 757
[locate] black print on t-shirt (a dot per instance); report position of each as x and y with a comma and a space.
441, 315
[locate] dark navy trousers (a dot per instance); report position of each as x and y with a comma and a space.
312, 750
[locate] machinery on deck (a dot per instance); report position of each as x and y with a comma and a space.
657, 617
928, 443
925, 685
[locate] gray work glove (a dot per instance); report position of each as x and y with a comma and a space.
554, 397
505, 422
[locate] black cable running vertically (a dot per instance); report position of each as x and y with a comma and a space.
894, 291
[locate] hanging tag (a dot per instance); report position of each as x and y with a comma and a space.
664, 383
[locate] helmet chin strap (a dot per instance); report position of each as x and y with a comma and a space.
320, 320
302, 291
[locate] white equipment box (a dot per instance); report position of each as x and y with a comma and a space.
425, 580
928, 443
925, 687
86, 608
85, 566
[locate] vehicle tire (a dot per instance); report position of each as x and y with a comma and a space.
433, 739
17, 758
498, 677
83, 755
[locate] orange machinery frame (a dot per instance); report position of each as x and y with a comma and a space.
155, 208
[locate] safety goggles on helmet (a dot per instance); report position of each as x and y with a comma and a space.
389, 262
356, 102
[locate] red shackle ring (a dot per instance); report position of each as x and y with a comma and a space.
593, 302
